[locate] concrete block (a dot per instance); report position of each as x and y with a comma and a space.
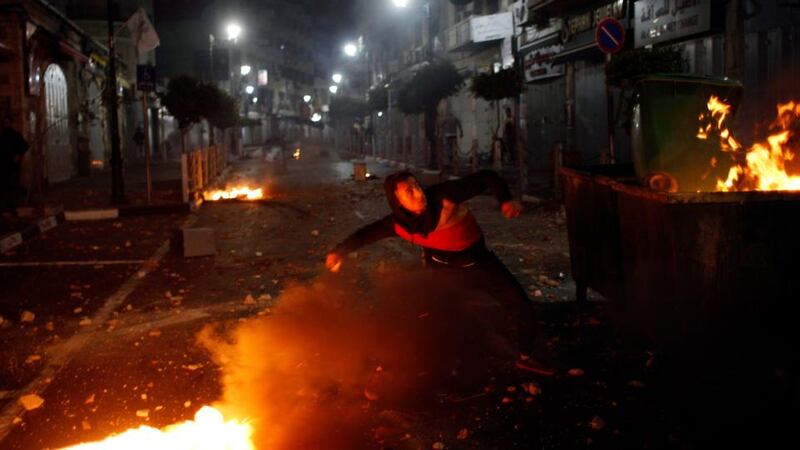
430, 177
192, 242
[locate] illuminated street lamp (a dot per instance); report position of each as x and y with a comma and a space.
334, 89
380, 113
249, 89
316, 117
245, 70
337, 78
255, 99
350, 49
400, 3
234, 30
307, 98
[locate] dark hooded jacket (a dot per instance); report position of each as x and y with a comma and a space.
456, 191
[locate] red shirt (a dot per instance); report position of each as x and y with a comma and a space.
455, 238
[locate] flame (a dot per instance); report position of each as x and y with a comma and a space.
234, 193
296, 154
762, 166
208, 431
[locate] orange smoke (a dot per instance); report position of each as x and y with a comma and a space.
332, 362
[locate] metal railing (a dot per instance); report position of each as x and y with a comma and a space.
200, 168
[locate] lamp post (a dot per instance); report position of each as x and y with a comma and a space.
117, 182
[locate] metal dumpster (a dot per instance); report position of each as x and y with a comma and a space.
704, 275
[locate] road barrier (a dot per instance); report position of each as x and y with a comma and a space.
200, 168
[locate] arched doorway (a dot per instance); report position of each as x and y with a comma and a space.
60, 166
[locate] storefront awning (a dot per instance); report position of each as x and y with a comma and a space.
76, 55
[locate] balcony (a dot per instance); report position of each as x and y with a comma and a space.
555, 7
478, 32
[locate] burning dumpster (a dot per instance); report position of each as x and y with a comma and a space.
702, 268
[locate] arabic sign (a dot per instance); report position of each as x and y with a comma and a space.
492, 27
658, 21
539, 63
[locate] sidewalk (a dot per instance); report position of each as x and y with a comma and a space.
94, 192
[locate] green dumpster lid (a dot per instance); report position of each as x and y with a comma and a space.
684, 78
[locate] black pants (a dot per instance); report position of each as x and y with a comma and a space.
9, 186
483, 271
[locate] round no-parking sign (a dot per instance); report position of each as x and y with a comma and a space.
610, 35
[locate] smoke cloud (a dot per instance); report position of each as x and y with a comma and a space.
338, 362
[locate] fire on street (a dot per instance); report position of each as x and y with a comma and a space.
385, 224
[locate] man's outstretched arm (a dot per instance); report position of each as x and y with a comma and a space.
368, 234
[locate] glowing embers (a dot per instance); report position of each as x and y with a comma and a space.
764, 166
234, 193
208, 431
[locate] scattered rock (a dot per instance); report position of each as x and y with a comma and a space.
154, 333
532, 388
575, 372
249, 300
438, 446
462, 434
32, 359
85, 322
31, 402
89, 400
143, 413
315, 232
27, 317
597, 423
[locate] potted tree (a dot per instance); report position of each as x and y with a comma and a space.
493, 87
430, 85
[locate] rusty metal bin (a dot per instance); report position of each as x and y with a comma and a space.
707, 276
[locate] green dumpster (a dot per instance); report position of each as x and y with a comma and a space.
667, 154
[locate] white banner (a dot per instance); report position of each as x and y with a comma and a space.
658, 21
144, 35
539, 63
492, 27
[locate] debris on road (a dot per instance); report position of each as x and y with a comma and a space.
31, 402
597, 423
27, 317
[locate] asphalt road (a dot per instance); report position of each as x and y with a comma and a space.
110, 342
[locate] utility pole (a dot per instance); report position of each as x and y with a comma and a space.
117, 182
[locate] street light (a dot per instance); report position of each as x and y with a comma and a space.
350, 49
255, 99
234, 30
316, 117
337, 78
380, 113
245, 70
334, 89
401, 3
306, 98
249, 89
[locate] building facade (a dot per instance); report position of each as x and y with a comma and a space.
568, 113
51, 77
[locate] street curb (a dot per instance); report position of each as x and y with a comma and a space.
14, 240
126, 211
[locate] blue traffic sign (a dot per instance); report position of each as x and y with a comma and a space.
610, 35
